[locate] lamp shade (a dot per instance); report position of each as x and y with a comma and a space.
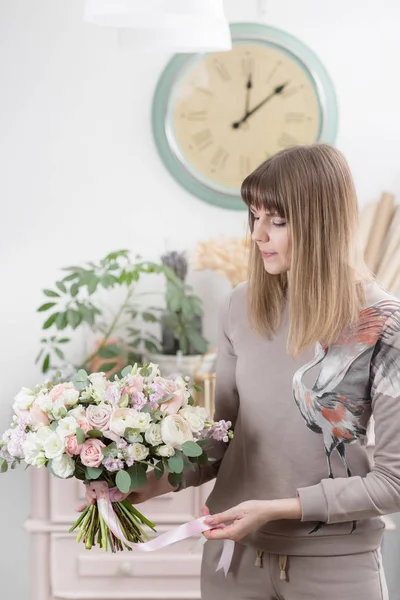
179, 25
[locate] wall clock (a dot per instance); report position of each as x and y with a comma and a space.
217, 116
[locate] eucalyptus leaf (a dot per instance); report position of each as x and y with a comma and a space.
138, 476
95, 433
191, 449
123, 481
93, 472
159, 470
175, 463
126, 371
175, 479
80, 435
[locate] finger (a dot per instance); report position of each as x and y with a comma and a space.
205, 511
81, 507
221, 533
228, 515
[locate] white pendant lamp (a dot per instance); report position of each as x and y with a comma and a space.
176, 25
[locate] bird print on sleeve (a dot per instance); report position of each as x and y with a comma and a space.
331, 408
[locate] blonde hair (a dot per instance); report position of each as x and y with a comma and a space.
312, 188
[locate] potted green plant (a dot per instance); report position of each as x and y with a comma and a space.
183, 343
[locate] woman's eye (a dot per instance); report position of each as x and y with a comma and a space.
279, 223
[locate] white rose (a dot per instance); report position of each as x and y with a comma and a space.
98, 380
54, 446
24, 399
137, 451
196, 423
141, 421
121, 419
66, 426
63, 466
166, 451
175, 431
201, 411
32, 448
153, 435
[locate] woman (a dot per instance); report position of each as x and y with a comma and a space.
308, 351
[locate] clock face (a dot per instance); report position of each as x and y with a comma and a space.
232, 110
216, 117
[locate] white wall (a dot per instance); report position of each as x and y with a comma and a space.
80, 175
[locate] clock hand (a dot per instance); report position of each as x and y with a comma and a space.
278, 90
249, 86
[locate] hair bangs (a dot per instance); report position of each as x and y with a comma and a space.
263, 189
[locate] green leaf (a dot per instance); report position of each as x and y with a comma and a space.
146, 408
175, 463
175, 479
80, 379
92, 284
148, 317
61, 286
108, 280
61, 321
126, 371
63, 341
46, 363
80, 435
3, 465
74, 289
39, 356
151, 346
93, 472
138, 476
197, 340
166, 398
159, 470
203, 459
50, 320
59, 353
46, 306
191, 449
109, 450
51, 294
132, 435
95, 433
74, 318
110, 351
86, 313
123, 481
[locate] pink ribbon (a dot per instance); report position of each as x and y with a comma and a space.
105, 496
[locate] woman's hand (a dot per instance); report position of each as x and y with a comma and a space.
248, 517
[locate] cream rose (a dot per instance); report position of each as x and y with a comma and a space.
91, 454
175, 431
65, 393
153, 435
63, 466
137, 451
122, 418
141, 421
98, 416
165, 451
196, 423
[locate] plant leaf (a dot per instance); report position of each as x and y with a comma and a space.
148, 317
46, 363
123, 481
80, 435
59, 353
46, 306
110, 351
93, 472
175, 479
95, 433
175, 463
50, 320
138, 476
51, 294
61, 321
61, 286
3, 465
74, 318
126, 371
159, 470
191, 449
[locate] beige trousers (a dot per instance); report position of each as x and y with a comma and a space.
260, 576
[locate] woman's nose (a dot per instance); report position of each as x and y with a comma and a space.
260, 232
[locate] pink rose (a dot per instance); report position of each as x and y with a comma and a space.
72, 448
66, 393
98, 416
83, 423
170, 386
38, 416
91, 454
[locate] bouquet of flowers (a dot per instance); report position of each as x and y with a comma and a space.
109, 433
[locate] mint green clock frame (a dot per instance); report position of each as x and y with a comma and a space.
163, 99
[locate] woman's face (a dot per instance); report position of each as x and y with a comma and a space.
271, 234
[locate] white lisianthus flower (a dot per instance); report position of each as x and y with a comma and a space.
99, 383
141, 421
66, 426
70, 397
63, 466
24, 399
54, 445
33, 451
121, 419
58, 409
137, 451
154, 372
165, 451
175, 431
153, 435
77, 412
44, 402
43, 434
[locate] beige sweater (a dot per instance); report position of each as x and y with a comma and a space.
295, 421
